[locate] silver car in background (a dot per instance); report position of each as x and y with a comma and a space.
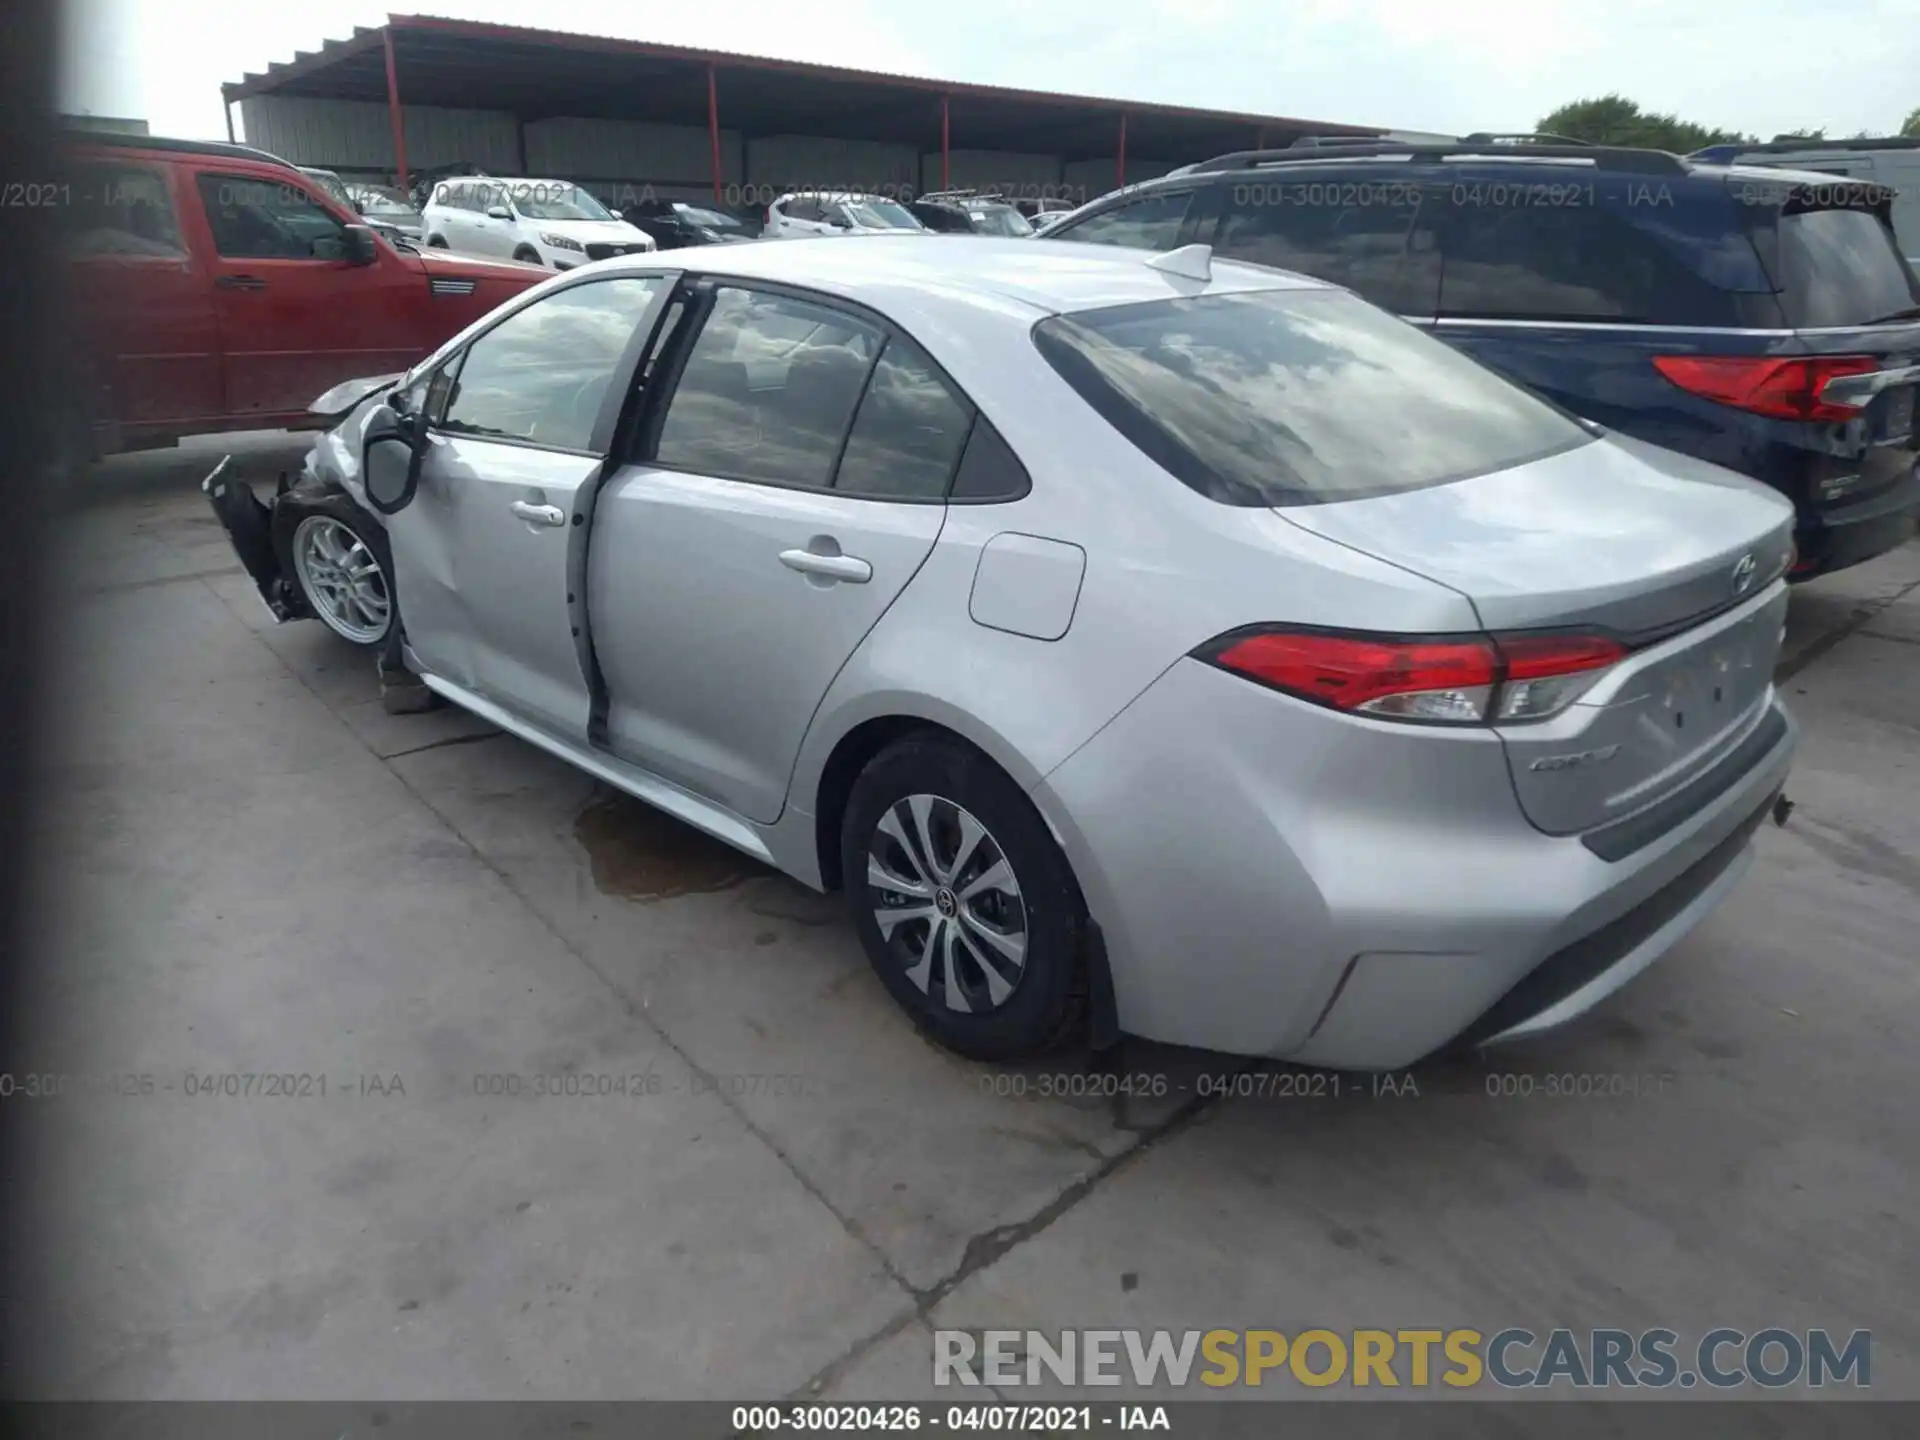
1185, 648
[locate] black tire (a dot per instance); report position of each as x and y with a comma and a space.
527, 255
292, 511
1047, 1006
437, 242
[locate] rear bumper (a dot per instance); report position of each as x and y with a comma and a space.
1835, 539
1273, 879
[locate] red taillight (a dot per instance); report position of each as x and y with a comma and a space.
1540, 657
1349, 671
1460, 681
1781, 387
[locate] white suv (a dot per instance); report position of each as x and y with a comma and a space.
826, 212
553, 223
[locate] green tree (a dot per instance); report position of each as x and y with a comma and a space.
1616, 120
1911, 125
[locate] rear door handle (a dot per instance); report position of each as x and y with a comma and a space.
538, 514
240, 282
832, 567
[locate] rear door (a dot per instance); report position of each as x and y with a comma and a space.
786, 491
143, 300
1574, 284
485, 556
296, 316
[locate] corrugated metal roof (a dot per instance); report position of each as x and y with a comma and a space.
441, 60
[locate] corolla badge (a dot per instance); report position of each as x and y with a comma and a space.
1744, 570
1576, 759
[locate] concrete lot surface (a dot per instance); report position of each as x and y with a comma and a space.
249, 867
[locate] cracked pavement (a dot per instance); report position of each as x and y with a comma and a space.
249, 868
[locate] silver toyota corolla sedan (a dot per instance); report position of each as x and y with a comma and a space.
1147, 644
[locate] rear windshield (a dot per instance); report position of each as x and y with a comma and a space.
1842, 267
1296, 397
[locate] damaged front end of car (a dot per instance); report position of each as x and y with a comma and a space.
261, 531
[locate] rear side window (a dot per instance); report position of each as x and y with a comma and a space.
1841, 267
1296, 397
1576, 262
768, 391
122, 210
908, 432
1151, 222
1370, 236
256, 219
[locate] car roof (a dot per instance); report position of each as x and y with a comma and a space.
928, 273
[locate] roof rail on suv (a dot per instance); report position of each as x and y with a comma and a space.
1619, 157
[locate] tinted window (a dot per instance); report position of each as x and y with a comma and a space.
259, 219
1150, 223
1369, 236
768, 390
1295, 397
121, 210
542, 373
989, 470
1570, 262
1841, 267
908, 431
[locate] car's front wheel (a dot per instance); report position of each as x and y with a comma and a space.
437, 242
345, 573
968, 910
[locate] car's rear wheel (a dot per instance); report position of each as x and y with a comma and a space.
345, 572
967, 908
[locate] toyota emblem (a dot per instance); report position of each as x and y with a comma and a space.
1743, 572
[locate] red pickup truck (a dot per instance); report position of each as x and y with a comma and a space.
215, 287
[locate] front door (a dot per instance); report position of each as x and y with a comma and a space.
296, 315
483, 556
790, 487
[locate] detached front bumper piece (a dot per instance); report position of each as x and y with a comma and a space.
249, 525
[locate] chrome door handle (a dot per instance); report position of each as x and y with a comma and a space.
832, 567
538, 514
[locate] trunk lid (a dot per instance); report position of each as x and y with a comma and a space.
1677, 558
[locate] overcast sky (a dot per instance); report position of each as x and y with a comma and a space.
1450, 65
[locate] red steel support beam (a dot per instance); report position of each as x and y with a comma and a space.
946, 180
713, 127
393, 112
1122, 164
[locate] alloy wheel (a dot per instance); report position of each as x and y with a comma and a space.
343, 579
947, 903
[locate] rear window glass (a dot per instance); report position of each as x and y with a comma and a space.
1296, 397
1841, 267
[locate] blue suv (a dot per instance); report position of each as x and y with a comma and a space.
1759, 318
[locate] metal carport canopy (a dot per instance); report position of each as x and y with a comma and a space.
538, 74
